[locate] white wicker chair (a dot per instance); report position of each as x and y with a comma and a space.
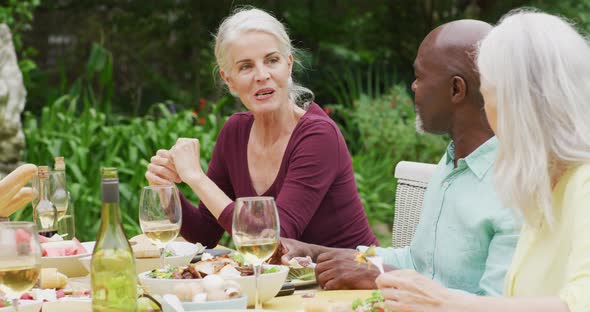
412, 180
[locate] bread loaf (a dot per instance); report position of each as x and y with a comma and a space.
14, 181
145, 251
23, 197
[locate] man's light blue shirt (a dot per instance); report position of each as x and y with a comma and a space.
465, 237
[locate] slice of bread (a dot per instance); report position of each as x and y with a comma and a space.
144, 250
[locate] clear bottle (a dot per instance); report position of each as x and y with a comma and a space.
44, 212
62, 201
113, 277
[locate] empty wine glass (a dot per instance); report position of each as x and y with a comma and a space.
58, 193
20, 259
256, 231
55, 192
160, 214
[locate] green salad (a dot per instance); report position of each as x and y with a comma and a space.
169, 272
372, 304
271, 270
165, 273
4, 303
301, 274
239, 258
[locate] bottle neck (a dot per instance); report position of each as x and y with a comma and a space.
43, 188
110, 201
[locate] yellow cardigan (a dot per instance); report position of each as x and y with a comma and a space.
556, 262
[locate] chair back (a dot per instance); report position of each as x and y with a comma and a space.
412, 180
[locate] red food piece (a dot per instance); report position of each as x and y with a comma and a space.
42, 239
63, 248
26, 296
59, 294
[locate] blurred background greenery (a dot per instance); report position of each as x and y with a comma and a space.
110, 82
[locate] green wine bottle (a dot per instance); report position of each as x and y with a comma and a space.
113, 277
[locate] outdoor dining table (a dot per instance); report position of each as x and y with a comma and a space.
294, 302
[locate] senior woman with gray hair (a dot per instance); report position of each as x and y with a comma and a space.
535, 79
282, 147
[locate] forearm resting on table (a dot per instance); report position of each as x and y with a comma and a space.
506, 304
209, 193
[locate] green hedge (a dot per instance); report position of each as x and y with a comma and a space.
89, 141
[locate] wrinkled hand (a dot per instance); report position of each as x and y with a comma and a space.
338, 270
187, 160
161, 170
290, 248
407, 290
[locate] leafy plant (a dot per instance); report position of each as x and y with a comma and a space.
347, 84
91, 139
88, 143
18, 15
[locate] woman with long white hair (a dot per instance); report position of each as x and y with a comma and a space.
535, 79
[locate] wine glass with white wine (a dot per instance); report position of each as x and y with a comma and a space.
256, 231
20, 259
160, 214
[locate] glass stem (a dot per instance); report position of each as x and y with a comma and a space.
15, 304
162, 255
258, 304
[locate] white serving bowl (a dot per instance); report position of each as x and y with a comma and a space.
269, 284
69, 265
184, 251
236, 303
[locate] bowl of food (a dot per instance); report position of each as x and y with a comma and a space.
166, 281
172, 303
176, 254
212, 293
64, 256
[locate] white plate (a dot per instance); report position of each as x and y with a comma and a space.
301, 284
73, 305
69, 265
237, 303
25, 306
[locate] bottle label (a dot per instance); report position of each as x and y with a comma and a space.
110, 190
